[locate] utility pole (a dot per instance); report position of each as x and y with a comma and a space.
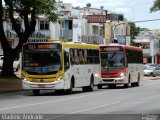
113, 31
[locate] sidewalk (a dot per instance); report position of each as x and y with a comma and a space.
8, 84
151, 78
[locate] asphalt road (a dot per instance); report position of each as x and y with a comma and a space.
133, 103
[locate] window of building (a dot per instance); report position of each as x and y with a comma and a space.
44, 25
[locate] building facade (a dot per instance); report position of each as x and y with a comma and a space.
150, 45
86, 25
117, 28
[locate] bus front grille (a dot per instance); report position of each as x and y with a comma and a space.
108, 80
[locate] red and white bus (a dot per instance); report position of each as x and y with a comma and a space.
121, 64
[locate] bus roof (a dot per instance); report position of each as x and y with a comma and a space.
124, 46
70, 44
80, 45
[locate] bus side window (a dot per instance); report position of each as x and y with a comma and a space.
76, 56
81, 56
71, 56
90, 56
66, 60
85, 56
127, 58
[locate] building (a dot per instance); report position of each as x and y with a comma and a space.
150, 45
86, 25
116, 27
93, 20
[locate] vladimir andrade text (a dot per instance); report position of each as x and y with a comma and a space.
21, 117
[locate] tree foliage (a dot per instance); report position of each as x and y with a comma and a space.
134, 31
156, 6
28, 11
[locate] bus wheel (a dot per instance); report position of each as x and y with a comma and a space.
137, 83
85, 89
36, 92
99, 86
133, 84
70, 90
90, 87
127, 84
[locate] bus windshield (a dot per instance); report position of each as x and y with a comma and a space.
112, 61
42, 62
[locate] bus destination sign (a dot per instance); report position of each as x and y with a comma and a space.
40, 46
111, 49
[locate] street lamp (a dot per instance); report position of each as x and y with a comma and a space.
113, 31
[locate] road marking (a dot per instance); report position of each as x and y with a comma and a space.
108, 104
95, 107
61, 100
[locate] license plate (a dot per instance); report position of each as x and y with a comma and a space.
41, 85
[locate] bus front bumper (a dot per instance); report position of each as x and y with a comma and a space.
106, 81
27, 85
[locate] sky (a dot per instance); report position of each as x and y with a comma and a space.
133, 10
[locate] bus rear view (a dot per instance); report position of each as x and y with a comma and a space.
117, 68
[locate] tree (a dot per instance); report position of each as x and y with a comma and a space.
28, 11
156, 6
134, 31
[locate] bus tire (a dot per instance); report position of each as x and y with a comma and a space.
36, 92
85, 89
70, 90
127, 84
133, 84
99, 86
90, 87
138, 83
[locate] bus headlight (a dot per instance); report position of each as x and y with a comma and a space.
60, 77
25, 79
122, 74
96, 75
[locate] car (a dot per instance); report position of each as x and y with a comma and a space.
148, 71
156, 72
149, 65
16, 64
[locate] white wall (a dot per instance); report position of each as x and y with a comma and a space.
75, 13
84, 27
77, 30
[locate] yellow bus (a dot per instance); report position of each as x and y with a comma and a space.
60, 66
